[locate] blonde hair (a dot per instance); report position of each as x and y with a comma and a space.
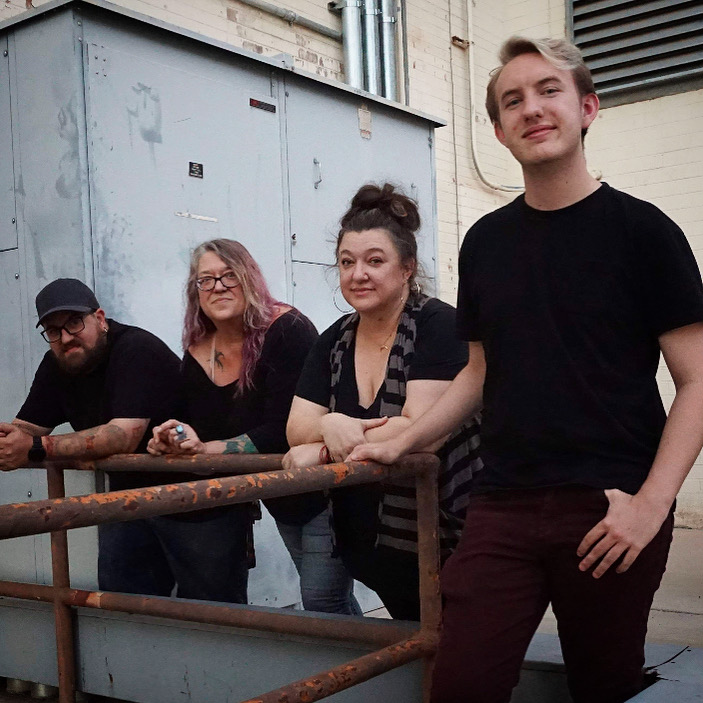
560, 53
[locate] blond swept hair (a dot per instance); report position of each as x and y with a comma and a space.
560, 53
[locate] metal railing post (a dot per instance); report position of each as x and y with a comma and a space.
428, 564
63, 614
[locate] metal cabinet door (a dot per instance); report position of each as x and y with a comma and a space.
336, 143
177, 155
8, 226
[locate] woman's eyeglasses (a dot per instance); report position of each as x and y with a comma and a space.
207, 283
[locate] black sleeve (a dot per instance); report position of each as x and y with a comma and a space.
671, 279
143, 378
286, 346
316, 378
467, 314
42, 406
439, 355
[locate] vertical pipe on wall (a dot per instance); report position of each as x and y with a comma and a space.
388, 50
353, 43
372, 56
352, 38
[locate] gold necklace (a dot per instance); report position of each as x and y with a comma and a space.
394, 331
384, 346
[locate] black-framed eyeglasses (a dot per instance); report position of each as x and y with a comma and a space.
74, 325
208, 283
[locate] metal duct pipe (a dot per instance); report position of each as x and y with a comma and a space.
352, 36
388, 50
372, 55
293, 18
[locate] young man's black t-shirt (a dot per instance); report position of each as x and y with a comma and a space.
569, 305
139, 378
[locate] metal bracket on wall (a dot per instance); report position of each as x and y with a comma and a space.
317, 164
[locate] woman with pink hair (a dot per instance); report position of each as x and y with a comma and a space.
243, 354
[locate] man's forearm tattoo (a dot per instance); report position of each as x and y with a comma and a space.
240, 445
95, 442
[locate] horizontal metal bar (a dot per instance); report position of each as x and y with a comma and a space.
196, 464
363, 631
37, 517
351, 673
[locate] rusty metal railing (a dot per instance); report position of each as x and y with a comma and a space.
258, 476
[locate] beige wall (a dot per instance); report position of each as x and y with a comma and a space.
651, 149
654, 150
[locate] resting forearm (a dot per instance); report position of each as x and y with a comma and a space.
462, 400
237, 445
680, 444
395, 426
94, 443
303, 432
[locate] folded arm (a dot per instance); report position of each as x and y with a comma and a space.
461, 400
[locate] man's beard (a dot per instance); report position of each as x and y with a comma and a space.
89, 361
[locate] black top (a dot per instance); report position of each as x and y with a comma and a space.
218, 412
438, 356
139, 378
569, 305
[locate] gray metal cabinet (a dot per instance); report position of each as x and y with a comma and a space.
177, 155
124, 143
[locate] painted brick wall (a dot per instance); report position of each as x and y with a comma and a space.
654, 151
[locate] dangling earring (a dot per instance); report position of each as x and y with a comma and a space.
336, 305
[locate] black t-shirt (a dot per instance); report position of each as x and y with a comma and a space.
569, 305
261, 412
438, 356
139, 378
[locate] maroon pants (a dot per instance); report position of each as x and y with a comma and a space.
516, 555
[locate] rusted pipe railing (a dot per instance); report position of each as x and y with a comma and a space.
21, 519
378, 634
59, 513
350, 674
63, 615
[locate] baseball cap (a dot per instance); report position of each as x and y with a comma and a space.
65, 294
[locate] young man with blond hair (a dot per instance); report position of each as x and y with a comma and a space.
567, 297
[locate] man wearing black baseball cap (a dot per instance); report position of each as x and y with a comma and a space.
112, 383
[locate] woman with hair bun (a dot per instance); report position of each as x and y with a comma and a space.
370, 375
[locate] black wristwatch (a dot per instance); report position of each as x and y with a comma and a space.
37, 452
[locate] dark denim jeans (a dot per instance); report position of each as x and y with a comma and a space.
203, 554
516, 555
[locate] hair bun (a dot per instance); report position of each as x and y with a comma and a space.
386, 199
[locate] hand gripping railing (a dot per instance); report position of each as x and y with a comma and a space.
258, 476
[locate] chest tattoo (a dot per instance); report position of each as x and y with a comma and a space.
219, 359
